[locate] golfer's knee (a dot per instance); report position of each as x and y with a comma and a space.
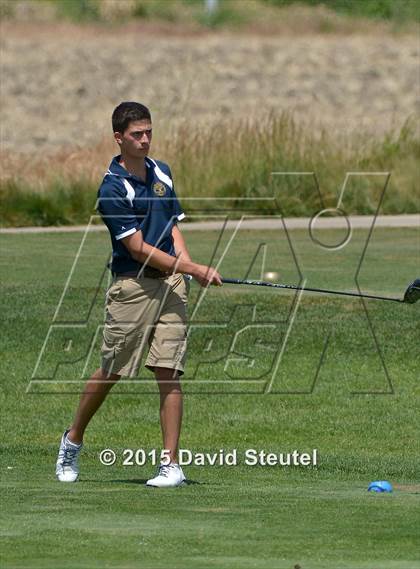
168, 380
105, 375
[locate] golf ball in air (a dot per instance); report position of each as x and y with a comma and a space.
271, 276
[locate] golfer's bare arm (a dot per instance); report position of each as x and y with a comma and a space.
142, 251
179, 244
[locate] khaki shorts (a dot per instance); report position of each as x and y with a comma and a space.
145, 313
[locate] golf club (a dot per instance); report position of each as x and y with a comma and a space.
411, 295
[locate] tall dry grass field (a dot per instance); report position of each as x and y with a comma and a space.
231, 158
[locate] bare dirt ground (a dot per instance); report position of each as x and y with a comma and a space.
59, 84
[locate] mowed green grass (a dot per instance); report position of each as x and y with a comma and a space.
363, 421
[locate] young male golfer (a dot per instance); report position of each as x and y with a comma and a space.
146, 303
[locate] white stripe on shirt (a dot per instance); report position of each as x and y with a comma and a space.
122, 235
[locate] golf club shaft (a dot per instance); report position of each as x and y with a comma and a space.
320, 290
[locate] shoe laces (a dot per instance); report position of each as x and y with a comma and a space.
164, 470
69, 456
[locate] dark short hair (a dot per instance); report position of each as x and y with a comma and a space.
128, 112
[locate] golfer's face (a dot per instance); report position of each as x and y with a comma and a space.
137, 138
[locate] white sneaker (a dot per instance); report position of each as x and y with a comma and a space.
167, 476
67, 468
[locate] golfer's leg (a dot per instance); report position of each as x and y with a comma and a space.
94, 393
170, 409
131, 307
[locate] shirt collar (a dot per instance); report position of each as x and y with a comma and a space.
116, 169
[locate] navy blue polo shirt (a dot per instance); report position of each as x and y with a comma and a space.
128, 204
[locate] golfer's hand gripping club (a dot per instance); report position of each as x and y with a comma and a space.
145, 253
206, 276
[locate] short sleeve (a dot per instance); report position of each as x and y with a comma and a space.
115, 207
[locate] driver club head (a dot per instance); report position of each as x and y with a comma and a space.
412, 294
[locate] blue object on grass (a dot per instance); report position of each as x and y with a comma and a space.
380, 486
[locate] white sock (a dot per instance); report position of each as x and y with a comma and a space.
69, 442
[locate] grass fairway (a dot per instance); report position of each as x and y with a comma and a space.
354, 398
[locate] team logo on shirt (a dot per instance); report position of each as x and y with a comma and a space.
159, 189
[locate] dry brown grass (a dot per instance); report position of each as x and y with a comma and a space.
194, 149
41, 170
231, 159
